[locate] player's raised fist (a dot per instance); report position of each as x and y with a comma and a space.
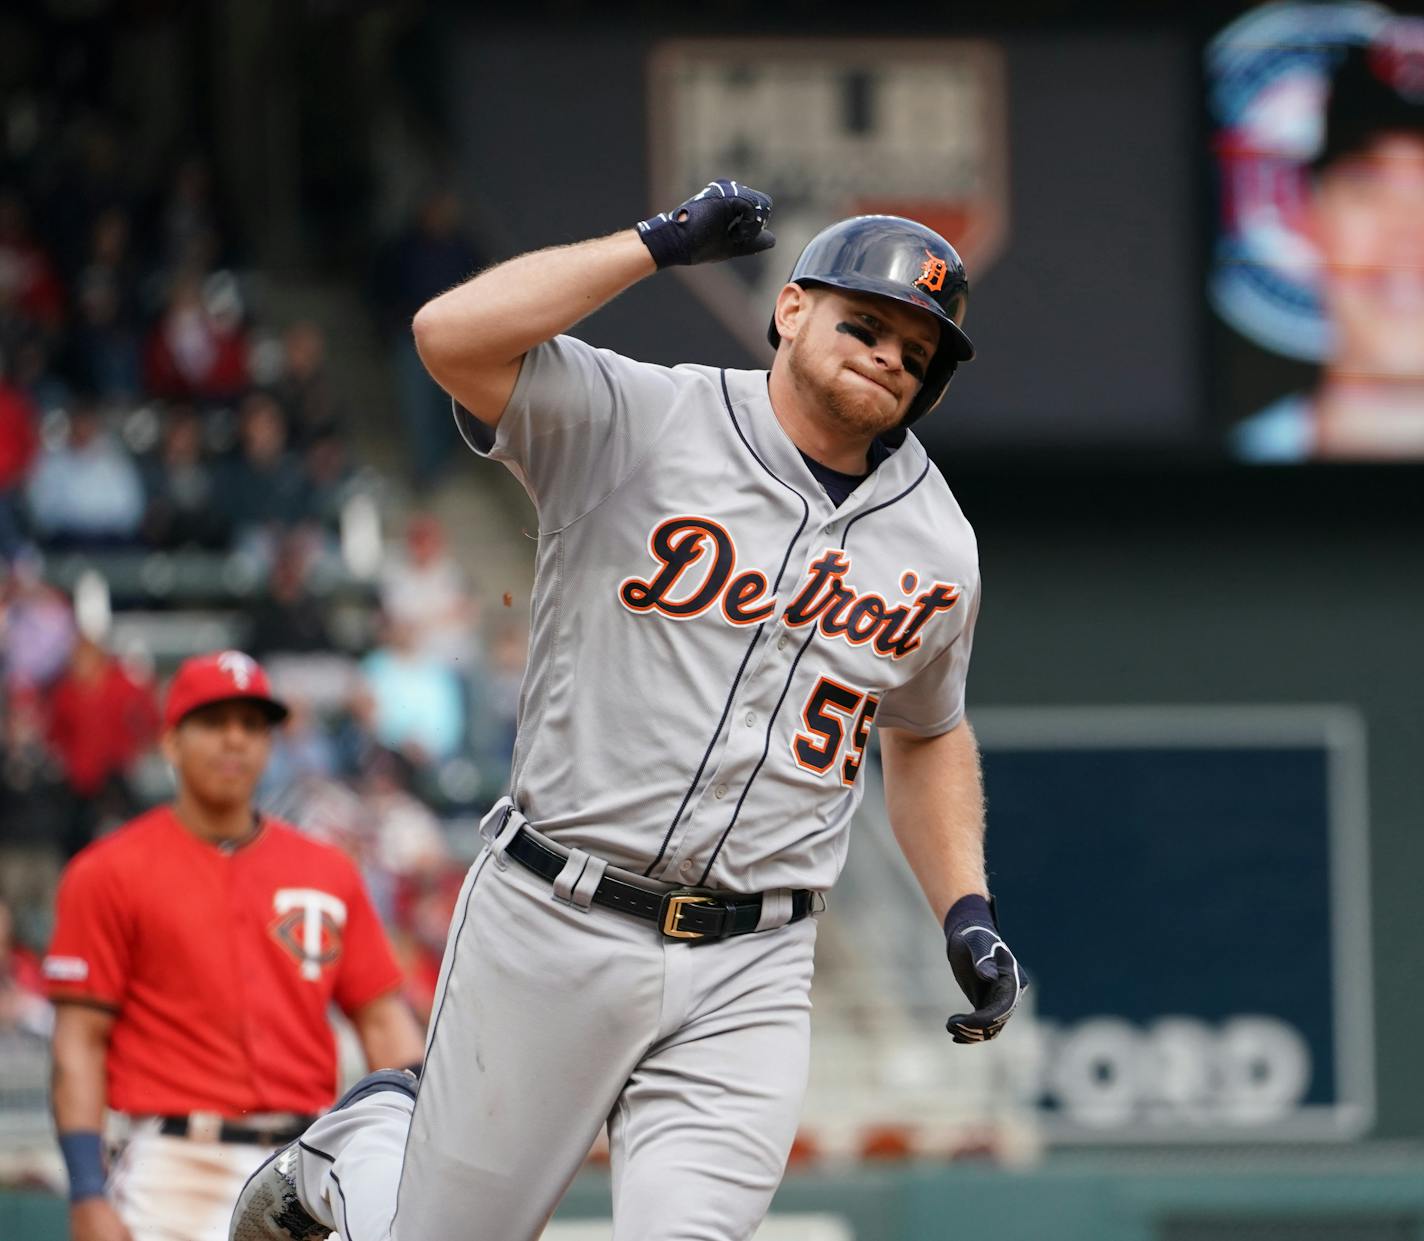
725, 221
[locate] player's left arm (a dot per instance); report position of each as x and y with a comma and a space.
934, 796
388, 1032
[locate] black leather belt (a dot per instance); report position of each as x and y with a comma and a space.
683, 913
185, 1127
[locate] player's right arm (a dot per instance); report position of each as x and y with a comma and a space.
473, 338
81, 1042
87, 969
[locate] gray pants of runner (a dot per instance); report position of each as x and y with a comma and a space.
551, 1021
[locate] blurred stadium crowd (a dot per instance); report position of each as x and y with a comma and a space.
179, 471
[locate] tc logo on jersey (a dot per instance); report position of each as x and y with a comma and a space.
308, 925
698, 562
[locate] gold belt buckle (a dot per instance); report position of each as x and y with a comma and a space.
676, 902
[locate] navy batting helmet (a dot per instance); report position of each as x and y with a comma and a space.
894, 257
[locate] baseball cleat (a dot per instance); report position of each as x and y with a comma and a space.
268, 1209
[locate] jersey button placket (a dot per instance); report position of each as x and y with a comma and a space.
741, 751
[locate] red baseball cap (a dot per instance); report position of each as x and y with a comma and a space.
223, 676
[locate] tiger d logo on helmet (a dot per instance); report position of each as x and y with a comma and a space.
932, 274
901, 259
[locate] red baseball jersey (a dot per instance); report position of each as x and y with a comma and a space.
218, 963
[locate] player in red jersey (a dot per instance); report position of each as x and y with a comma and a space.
195, 954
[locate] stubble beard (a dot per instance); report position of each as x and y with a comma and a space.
860, 416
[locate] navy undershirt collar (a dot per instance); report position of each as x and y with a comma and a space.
838, 485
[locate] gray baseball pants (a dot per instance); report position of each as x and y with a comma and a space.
551, 1021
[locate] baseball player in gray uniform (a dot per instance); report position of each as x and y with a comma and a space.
738, 574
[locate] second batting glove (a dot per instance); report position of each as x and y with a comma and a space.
725, 221
987, 972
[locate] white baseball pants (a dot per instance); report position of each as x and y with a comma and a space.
551, 1021
177, 1189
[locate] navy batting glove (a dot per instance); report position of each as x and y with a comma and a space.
725, 221
985, 969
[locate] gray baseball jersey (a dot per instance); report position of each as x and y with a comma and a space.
711, 638
712, 641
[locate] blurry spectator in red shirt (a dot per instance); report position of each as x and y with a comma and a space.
425, 905
18, 436
25, 268
101, 721
100, 718
18, 442
197, 350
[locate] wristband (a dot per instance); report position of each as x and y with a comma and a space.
971, 908
666, 242
84, 1160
